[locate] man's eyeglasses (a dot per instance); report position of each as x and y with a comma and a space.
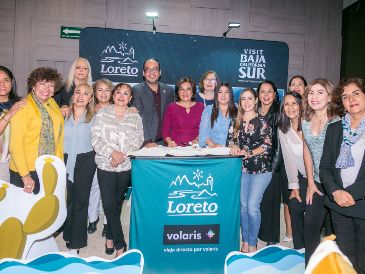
149, 70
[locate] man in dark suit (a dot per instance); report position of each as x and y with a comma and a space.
151, 98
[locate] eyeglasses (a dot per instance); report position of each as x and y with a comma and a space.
149, 70
210, 80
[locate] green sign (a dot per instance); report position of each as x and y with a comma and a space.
70, 32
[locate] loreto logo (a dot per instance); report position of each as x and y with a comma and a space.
191, 234
119, 60
192, 196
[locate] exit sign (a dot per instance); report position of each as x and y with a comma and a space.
70, 32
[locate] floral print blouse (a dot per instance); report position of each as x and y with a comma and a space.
259, 134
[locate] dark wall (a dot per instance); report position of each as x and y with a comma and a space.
353, 41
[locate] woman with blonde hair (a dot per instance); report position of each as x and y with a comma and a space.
250, 136
103, 98
80, 165
80, 73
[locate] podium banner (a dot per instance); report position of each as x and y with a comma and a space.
185, 213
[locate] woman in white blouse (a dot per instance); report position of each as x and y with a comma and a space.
117, 130
291, 141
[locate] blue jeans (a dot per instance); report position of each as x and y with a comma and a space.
252, 189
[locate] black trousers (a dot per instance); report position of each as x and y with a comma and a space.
270, 211
113, 186
307, 220
350, 237
78, 193
16, 180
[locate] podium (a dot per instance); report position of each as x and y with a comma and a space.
185, 212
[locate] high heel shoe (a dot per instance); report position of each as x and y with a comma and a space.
109, 250
121, 251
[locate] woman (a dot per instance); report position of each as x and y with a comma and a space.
36, 129
80, 73
80, 166
216, 118
9, 105
207, 84
250, 136
116, 132
319, 110
270, 205
182, 119
342, 172
103, 98
291, 142
297, 84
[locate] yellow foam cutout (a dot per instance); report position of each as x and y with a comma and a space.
12, 239
42, 215
50, 177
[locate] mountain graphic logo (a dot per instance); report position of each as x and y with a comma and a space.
120, 53
197, 188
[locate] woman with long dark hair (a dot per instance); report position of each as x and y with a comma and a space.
217, 117
9, 105
291, 142
271, 201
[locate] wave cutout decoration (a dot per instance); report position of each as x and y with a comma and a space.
131, 262
272, 259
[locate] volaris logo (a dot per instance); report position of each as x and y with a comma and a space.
118, 60
192, 197
191, 234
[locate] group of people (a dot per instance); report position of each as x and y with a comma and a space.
305, 151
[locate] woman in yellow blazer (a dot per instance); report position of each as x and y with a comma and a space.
36, 129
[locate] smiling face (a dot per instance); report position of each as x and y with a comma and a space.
248, 101
81, 71
5, 84
267, 94
122, 96
151, 71
297, 85
82, 96
210, 82
291, 107
43, 90
318, 97
103, 93
223, 96
353, 100
185, 92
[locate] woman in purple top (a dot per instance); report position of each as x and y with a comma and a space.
182, 119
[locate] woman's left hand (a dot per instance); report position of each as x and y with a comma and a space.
311, 189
